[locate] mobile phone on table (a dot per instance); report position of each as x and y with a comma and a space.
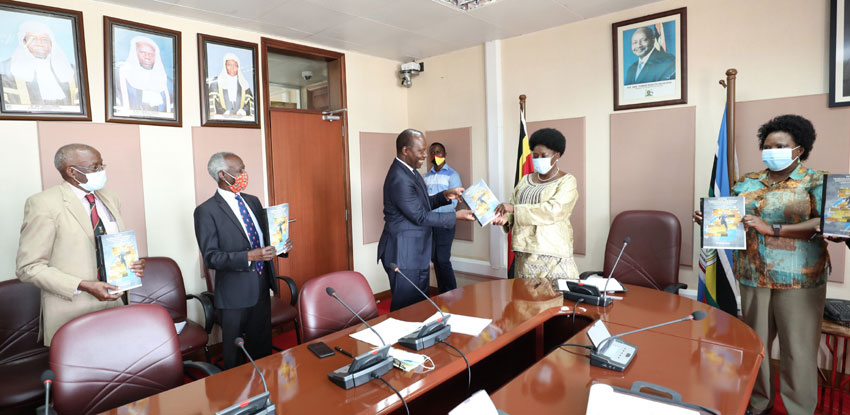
320, 349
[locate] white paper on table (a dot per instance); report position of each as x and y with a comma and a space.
603, 400
179, 326
599, 282
477, 404
390, 330
464, 324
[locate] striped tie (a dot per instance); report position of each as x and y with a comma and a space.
99, 230
253, 236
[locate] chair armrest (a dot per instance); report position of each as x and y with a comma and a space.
209, 310
584, 275
674, 288
208, 368
293, 289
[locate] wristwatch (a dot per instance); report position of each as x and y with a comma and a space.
776, 228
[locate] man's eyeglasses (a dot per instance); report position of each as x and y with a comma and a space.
94, 169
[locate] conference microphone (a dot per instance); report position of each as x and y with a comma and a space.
366, 366
615, 354
589, 294
430, 333
607, 280
331, 292
47, 380
255, 405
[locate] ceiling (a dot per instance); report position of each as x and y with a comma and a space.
402, 30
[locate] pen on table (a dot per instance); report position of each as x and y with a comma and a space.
339, 349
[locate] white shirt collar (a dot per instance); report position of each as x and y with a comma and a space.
227, 194
80, 193
405, 164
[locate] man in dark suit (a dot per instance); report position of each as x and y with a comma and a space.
408, 219
653, 64
233, 236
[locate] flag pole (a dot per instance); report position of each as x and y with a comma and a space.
522, 103
731, 74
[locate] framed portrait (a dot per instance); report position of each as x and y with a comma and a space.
42, 63
229, 79
651, 60
142, 68
839, 53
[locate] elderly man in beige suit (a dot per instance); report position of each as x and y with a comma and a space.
57, 249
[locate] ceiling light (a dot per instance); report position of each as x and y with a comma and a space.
465, 5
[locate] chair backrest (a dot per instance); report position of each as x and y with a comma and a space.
652, 257
112, 357
162, 285
319, 314
20, 304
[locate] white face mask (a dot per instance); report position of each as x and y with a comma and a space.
408, 361
542, 165
94, 181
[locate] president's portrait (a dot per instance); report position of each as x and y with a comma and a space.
42, 63
651, 65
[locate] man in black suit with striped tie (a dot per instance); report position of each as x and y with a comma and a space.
408, 219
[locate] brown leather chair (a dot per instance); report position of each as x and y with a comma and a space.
112, 357
163, 285
282, 311
320, 314
22, 357
651, 259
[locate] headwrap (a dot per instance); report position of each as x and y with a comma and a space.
228, 82
153, 82
26, 67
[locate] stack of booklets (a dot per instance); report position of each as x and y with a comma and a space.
481, 201
278, 221
722, 226
835, 211
117, 252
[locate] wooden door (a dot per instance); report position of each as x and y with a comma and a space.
308, 171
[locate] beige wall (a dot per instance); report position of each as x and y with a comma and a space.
377, 102
450, 94
567, 72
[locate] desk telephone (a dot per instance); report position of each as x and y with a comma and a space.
837, 310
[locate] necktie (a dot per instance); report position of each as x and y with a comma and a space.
420, 181
639, 68
99, 230
253, 236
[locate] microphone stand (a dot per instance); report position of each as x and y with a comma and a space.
430, 333
366, 366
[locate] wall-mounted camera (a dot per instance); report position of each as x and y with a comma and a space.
307, 75
409, 70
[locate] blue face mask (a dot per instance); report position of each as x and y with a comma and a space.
542, 165
778, 159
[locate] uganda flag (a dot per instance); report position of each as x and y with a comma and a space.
523, 167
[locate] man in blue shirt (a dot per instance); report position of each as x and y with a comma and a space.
440, 178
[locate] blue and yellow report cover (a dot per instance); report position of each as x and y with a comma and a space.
721, 225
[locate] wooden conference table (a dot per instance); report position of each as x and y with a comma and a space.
712, 362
